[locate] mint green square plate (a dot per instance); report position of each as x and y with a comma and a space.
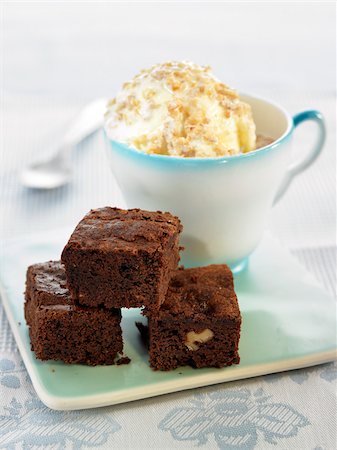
288, 323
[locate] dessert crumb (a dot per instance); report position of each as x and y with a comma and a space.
123, 360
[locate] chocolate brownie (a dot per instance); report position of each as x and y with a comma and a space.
122, 258
199, 322
63, 331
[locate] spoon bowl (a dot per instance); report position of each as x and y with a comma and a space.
46, 175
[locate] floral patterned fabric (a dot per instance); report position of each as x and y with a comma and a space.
267, 412
287, 410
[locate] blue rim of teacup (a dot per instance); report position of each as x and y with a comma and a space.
213, 160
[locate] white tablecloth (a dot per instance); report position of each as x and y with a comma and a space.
58, 56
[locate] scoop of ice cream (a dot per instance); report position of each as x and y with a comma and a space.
180, 109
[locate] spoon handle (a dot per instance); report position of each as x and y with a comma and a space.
88, 120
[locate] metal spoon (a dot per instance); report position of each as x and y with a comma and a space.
56, 171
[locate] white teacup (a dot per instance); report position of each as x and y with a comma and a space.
222, 202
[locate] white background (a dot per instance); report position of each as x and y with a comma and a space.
56, 56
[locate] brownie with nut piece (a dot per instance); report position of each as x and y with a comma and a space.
199, 322
122, 258
61, 330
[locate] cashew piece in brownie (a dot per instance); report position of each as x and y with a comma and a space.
193, 338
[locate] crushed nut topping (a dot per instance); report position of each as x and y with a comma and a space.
181, 109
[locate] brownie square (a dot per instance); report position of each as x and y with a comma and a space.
60, 330
122, 258
199, 322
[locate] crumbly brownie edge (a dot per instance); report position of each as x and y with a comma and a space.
41, 280
46, 348
167, 349
201, 299
29, 304
71, 255
97, 290
171, 259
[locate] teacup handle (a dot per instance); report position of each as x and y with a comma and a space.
299, 166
